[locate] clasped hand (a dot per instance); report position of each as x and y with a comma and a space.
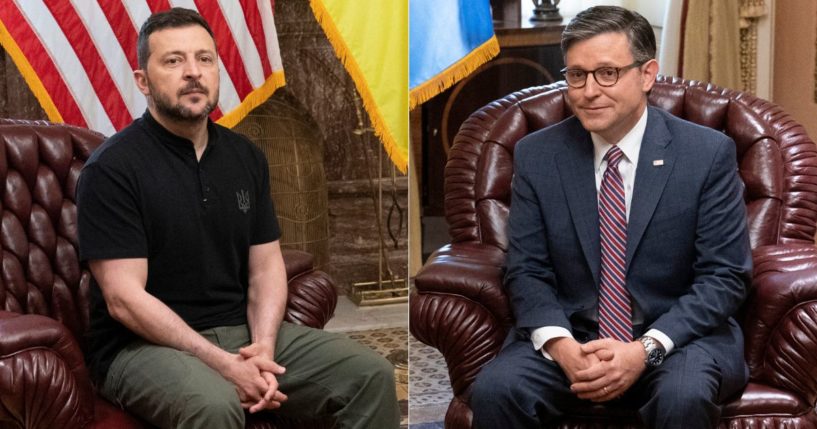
599, 370
254, 373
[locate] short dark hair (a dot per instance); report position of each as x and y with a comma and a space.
176, 17
612, 19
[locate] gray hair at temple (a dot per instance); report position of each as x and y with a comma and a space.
176, 17
612, 19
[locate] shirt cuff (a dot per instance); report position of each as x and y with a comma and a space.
662, 338
541, 336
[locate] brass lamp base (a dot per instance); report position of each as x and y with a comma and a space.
380, 293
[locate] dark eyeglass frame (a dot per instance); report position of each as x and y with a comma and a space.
593, 72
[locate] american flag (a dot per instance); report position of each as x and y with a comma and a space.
78, 56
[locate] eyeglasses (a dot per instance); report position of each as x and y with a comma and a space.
605, 76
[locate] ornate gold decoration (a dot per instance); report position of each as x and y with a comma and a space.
750, 12
748, 58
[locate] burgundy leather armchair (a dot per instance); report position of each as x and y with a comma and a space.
44, 289
460, 307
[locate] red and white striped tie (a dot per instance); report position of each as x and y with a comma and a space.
615, 314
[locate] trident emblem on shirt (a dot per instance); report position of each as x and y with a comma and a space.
243, 198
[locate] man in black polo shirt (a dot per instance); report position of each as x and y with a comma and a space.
176, 223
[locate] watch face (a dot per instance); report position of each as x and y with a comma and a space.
655, 357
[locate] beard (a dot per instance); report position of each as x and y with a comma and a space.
177, 111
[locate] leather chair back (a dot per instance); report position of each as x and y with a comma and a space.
41, 273
776, 158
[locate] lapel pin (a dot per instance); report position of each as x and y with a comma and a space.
658, 163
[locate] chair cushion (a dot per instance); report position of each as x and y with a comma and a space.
766, 400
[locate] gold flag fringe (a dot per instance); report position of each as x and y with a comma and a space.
29, 75
253, 100
343, 53
454, 73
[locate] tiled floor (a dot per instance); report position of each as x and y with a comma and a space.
349, 317
429, 385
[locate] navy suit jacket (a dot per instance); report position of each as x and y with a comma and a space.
688, 254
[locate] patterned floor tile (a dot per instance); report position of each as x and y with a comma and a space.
429, 386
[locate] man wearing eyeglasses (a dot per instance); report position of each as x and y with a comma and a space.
628, 251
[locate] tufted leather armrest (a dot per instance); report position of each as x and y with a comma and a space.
472, 270
781, 326
43, 380
312, 296
460, 308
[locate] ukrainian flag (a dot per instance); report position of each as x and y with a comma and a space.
448, 39
371, 39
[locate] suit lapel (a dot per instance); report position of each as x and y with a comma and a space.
655, 162
579, 182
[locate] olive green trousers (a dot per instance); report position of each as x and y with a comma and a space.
327, 375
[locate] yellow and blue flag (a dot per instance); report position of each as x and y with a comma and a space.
371, 39
448, 39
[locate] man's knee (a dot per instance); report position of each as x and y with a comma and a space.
364, 389
685, 397
376, 372
671, 408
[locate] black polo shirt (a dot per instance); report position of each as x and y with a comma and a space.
143, 194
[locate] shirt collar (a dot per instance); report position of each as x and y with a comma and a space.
630, 144
165, 136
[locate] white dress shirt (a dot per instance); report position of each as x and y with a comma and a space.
630, 146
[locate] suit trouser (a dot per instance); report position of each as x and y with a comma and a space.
326, 375
522, 389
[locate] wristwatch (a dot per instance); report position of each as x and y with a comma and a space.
655, 351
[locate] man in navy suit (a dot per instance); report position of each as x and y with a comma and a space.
623, 283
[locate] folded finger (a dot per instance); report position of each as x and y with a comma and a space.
279, 397
595, 345
260, 405
610, 392
273, 387
605, 354
270, 366
595, 372
601, 394
591, 386
275, 395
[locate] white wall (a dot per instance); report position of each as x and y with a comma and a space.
653, 10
